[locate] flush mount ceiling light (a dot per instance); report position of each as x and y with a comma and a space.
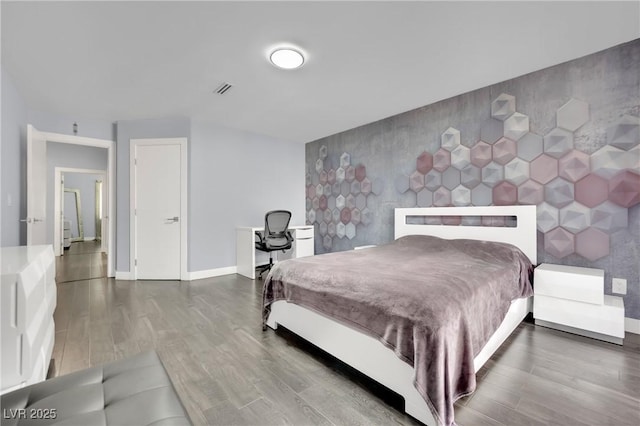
287, 58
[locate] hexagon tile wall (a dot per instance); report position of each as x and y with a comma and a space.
337, 198
581, 198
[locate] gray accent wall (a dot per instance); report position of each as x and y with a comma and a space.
74, 156
235, 178
577, 120
13, 205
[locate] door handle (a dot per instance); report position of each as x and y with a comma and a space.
173, 219
35, 219
27, 220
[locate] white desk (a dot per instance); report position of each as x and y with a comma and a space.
303, 245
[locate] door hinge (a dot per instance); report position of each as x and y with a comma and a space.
135, 262
135, 161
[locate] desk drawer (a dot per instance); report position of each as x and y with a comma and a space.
303, 233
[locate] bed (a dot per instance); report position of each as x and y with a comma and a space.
429, 359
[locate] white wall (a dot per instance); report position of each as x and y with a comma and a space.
235, 178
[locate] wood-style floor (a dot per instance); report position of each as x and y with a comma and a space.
81, 261
227, 371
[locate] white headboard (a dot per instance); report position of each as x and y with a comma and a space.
523, 235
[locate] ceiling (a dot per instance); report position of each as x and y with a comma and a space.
365, 60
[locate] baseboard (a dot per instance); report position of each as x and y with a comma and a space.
123, 275
198, 275
89, 238
632, 325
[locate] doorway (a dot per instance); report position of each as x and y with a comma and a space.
36, 219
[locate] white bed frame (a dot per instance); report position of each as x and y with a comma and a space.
366, 354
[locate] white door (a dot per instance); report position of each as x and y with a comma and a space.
36, 219
157, 211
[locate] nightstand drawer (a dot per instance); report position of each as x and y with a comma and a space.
569, 282
302, 233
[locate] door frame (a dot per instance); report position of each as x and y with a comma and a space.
58, 200
133, 144
110, 146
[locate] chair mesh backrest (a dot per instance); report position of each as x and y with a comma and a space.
276, 223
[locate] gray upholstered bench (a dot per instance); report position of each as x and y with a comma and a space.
131, 391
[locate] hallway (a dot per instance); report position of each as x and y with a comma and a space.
82, 261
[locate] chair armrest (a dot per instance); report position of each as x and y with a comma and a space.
260, 235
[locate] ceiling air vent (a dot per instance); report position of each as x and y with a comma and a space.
222, 89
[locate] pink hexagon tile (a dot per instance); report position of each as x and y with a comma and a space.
350, 173
504, 151
592, 244
416, 181
559, 243
574, 165
442, 197
543, 169
441, 160
558, 142
366, 186
572, 115
516, 126
481, 154
530, 192
361, 172
505, 194
323, 177
609, 217
331, 176
624, 189
503, 106
625, 133
424, 163
591, 190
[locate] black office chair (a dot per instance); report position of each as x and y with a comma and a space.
276, 236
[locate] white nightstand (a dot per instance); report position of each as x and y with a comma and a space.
572, 299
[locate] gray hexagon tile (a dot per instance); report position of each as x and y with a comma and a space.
345, 188
461, 196
315, 203
516, 171
492, 173
377, 186
592, 244
516, 126
366, 216
350, 173
341, 230
416, 181
470, 176
530, 192
451, 178
319, 165
331, 203
481, 195
355, 216
548, 217
609, 160
559, 243
350, 231
311, 216
402, 183
609, 217
323, 228
355, 187
625, 133
335, 189
504, 151
460, 157
575, 217
450, 139
424, 198
341, 201
572, 115
340, 174
331, 229
350, 201
559, 192
441, 160
574, 165
361, 201
433, 180
503, 106
323, 177
424, 163
558, 142
345, 160
327, 242
326, 190
530, 146
491, 130
543, 169
335, 215
471, 221
323, 152
326, 215
442, 197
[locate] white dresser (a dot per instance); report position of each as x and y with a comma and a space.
27, 302
572, 299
